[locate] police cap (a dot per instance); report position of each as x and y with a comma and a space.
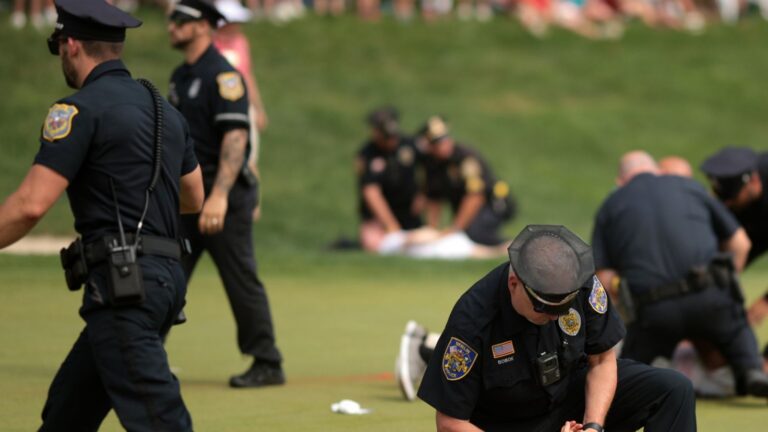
89, 20
195, 10
729, 170
553, 264
435, 129
385, 119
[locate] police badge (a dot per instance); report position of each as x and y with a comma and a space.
58, 124
570, 324
458, 359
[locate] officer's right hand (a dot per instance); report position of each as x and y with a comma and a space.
212, 217
571, 426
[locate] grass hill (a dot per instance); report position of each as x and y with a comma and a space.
552, 117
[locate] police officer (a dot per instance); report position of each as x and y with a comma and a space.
210, 93
529, 347
99, 145
739, 177
458, 175
387, 168
661, 235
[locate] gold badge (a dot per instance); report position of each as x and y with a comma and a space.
58, 124
230, 85
570, 324
405, 155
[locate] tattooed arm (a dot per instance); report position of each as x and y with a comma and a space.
230, 163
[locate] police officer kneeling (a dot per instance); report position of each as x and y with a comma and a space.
123, 155
529, 348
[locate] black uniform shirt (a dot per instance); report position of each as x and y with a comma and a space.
654, 229
754, 218
106, 130
484, 365
396, 173
212, 97
463, 173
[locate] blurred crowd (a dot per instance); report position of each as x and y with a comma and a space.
596, 19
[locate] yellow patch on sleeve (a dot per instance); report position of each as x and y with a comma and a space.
230, 85
58, 123
475, 184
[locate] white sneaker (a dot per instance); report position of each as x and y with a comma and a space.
409, 367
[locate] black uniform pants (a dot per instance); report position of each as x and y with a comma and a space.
232, 252
485, 228
119, 360
659, 400
711, 314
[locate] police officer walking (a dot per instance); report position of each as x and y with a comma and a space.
739, 178
657, 240
387, 168
458, 175
529, 347
124, 157
211, 95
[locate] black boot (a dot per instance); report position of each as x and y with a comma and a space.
260, 374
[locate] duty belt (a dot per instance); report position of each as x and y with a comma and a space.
97, 251
698, 279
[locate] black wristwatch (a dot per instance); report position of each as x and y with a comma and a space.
593, 425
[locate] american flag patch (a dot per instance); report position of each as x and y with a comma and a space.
503, 349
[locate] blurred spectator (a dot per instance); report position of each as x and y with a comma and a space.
39, 16
368, 10
233, 45
434, 9
329, 7
482, 10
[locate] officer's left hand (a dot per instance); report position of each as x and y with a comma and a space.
212, 217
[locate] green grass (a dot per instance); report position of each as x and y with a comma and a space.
551, 116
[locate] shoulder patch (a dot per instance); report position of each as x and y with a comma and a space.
598, 298
470, 167
378, 165
570, 324
230, 85
458, 359
58, 123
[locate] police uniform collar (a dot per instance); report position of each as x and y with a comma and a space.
209, 53
105, 68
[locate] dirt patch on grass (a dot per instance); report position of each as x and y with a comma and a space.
38, 245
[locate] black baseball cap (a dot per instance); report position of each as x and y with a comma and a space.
385, 119
195, 10
729, 170
553, 264
89, 20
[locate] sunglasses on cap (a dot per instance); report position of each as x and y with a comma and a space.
179, 19
549, 303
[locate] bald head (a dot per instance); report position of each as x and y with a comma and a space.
634, 163
675, 165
